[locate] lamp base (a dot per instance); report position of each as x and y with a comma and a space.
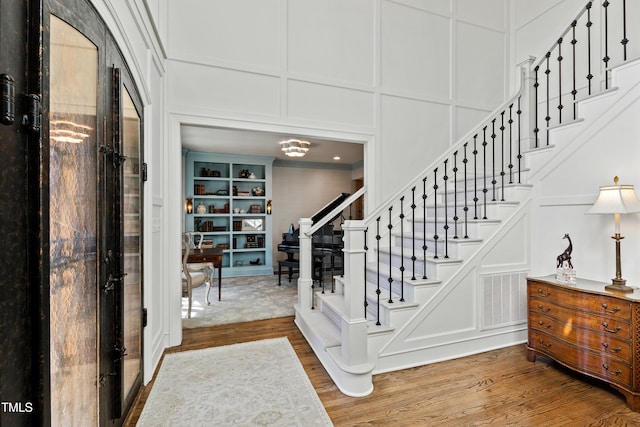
619, 285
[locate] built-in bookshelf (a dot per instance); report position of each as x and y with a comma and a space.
229, 196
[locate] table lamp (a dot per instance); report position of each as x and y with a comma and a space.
616, 199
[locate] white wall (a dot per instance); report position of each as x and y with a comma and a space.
299, 192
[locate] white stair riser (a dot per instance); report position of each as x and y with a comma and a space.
456, 248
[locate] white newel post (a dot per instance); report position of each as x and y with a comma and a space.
305, 280
354, 323
528, 103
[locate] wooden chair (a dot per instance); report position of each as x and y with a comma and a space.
192, 279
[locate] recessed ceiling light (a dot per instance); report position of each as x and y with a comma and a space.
336, 157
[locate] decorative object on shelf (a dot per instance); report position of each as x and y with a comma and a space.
255, 262
616, 199
245, 173
294, 147
189, 205
222, 193
201, 209
252, 175
206, 172
252, 225
565, 274
257, 191
269, 207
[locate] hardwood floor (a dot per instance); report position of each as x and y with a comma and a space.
499, 387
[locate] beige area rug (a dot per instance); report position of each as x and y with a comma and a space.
259, 383
243, 299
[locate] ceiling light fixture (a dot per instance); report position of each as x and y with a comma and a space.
294, 147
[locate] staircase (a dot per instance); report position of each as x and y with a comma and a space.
438, 271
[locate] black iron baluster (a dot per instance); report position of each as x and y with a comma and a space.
589, 24
390, 279
548, 73
446, 212
466, 207
606, 44
424, 228
475, 177
502, 128
493, 157
560, 58
574, 92
519, 113
413, 233
366, 248
402, 249
510, 144
484, 173
378, 271
536, 128
624, 40
435, 213
455, 194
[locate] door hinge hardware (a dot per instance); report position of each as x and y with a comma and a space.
120, 352
144, 171
111, 282
144, 317
106, 149
33, 119
103, 378
8, 101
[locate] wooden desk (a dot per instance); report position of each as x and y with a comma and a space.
212, 255
589, 330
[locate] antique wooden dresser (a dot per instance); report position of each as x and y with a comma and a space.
588, 329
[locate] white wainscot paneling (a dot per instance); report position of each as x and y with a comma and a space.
486, 13
480, 64
413, 134
331, 104
512, 249
442, 7
540, 23
244, 32
415, 55
467, 118
197, 88
331, 39
155, 142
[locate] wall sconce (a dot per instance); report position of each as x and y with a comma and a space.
616, 199
269, 207
189, 205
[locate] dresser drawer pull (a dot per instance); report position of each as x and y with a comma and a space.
544, 293
540, 307
615, 309
543, 344
606, 368
541, 323
606, 328
615, 350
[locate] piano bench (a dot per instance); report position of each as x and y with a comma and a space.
291, 265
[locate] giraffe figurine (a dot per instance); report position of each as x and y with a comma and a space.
566, 255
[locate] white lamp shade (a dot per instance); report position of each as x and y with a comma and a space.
616, 199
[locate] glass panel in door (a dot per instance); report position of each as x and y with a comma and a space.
132, 327
73, 226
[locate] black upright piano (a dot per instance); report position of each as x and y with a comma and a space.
326, 245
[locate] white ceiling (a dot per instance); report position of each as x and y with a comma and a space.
248, 142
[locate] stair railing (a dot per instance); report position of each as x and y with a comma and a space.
307, 230
571, 69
